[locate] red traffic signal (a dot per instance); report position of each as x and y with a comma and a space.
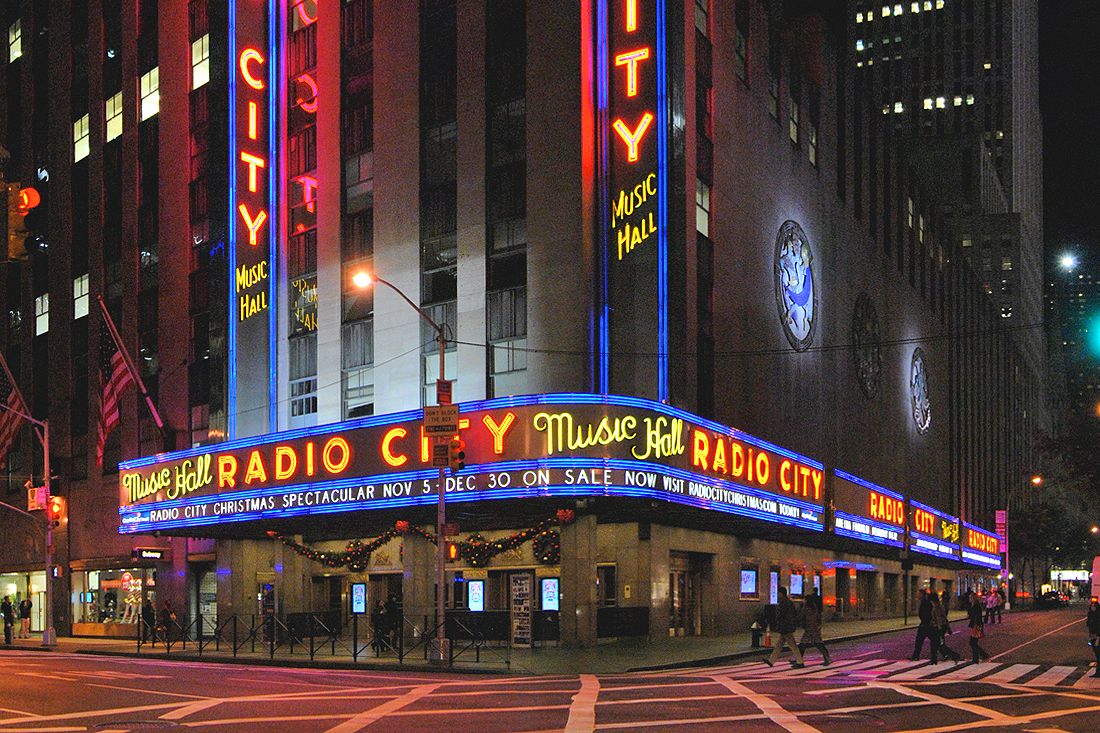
29, 198
55, 511
452, 552
456, 454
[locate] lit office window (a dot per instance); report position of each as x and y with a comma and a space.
41, 314
794, 121
81, 136
15, 40
1006, 263
969, 99
114, 116
920, 228
928, 103
702, 16
958, 100
150, 93
811, 143
702, 207
80, 296
898, 10
941, 102
914, 8
200, 61
899, 107
859, 17
909, 212
885, 11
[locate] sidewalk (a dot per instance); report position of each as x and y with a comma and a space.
613, 657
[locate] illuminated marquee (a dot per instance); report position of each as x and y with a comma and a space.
632, 130
528, 447
980, 547
933, 532
253, 80
867, 511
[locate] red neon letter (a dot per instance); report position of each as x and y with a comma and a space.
336, 443
247, 56
286, 461
630, 60
700, 447
311, 105
632, 138
388, 455
498, 431
253, 163
301, 8
253, 109
309, 185
256, 470
631, 15
252, 224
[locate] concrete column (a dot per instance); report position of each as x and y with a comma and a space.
418, 582
875, 604
658, 582
578, 582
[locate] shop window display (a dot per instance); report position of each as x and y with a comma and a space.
111, 596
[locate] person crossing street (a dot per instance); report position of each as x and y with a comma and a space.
1094, 633
787, 622
811, 622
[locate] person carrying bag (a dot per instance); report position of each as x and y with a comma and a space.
977, 628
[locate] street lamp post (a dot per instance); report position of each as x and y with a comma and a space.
365, 280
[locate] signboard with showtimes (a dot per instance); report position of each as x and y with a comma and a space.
866, 511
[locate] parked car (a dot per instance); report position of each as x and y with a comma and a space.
1051, 599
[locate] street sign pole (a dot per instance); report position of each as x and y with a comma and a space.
442, 651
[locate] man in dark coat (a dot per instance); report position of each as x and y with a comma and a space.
787, 623
926, 630
7, 610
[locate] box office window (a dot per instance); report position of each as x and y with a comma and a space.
606, 586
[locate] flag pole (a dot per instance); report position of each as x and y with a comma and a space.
132, 367
26, 410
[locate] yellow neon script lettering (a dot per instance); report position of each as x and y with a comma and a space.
664, 438
625, 203
191, 476
561, 433
630, 60
633, 138
253, 224
138, 487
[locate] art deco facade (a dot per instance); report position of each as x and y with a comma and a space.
674, 202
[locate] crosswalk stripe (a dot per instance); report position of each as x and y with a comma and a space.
918, 673
1087, 682
855, 669
1014, 672
1052, 676
890, 668
812, 669
970, 671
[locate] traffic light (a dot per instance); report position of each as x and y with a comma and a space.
452, 552
21, 237
55, 511
456, 454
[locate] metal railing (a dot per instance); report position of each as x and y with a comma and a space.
312, 635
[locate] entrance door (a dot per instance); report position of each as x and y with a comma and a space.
684, 596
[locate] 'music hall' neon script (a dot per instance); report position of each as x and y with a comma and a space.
517, 447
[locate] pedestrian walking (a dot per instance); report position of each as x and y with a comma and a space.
787, 622
8, 612
977, 628
148, 622
1001, 601
167, 618
925, 630
942, 627
1094, 634
812, 612
378, 626
25, 618
991, 602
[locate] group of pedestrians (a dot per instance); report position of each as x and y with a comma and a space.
787, 623
8, 611
935, 627
385, 621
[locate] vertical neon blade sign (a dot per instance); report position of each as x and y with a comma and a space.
252, 158
633, 156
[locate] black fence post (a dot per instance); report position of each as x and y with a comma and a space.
355, 638
270, 623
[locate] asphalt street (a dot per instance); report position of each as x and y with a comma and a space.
1038, 679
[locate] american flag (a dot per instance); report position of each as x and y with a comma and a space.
10, 415
115, 377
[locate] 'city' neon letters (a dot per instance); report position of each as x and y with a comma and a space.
247, 57
632, 138
630, 60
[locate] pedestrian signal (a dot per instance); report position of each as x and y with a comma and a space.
456, 454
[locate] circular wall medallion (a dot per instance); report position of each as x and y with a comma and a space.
866, 345
918, 392
794, 285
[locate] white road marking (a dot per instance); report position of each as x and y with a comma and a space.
1009, 674
1087, 682
191, 709
855, 669
775, 712
1052, 676
1040, 636
582, 711
365, 718
889, 669
954, 704
969, 672
918, 673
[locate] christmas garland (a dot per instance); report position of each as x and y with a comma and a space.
475, 549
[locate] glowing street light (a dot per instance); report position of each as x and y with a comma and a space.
1094, 529
1036, 480
1067, 261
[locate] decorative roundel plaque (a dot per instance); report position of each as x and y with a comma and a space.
795, 294
918, 392
866, 345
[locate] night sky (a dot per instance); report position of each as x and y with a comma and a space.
1069, 93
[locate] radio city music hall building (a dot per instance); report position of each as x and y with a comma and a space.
689, 370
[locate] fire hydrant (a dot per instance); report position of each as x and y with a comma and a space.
757, 633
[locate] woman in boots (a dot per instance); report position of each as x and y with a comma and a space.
811, 622
943, 628
977, 628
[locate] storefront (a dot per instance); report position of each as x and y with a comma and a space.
107, 602
30, 584
631, 515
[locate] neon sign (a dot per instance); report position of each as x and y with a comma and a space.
867, 511
632, 141
933, 532
546, 445
254, 75
980, 547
